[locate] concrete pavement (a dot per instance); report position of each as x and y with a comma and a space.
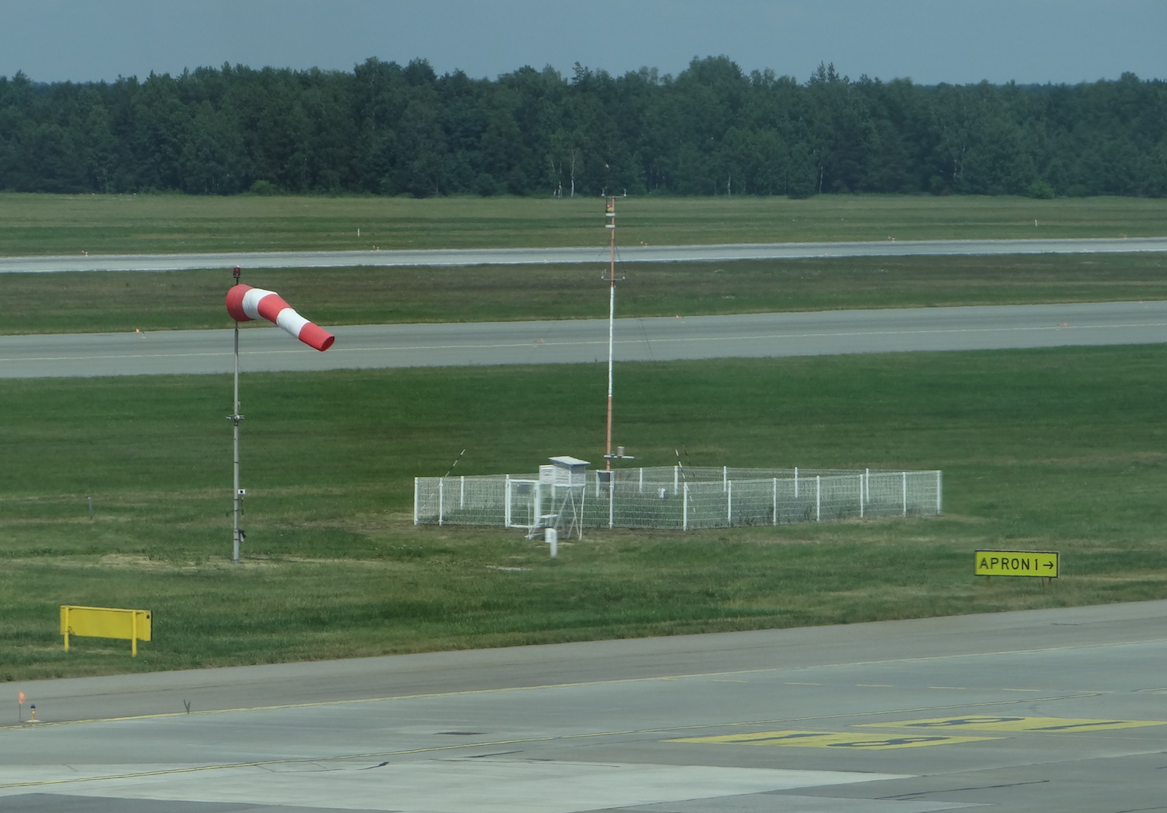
267, 348
538, 256
1034, 712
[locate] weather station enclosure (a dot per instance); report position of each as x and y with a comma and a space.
675, 498
565, 496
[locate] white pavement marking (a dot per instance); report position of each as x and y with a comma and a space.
450, 785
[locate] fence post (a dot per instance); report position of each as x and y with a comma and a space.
611, 501
867, 486
583, 494
676, 470
416, 483
818, 498
938, 493
861, 496
462, 493
724, 477
537, 518
905, 493
796, 482
729, 503
775, 500
685, 510
640, 487
441, 495
506, 512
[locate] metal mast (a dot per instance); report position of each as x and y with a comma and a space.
610, 211
235, 418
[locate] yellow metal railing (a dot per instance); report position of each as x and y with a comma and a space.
106, 622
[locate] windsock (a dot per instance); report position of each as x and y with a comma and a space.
245, 303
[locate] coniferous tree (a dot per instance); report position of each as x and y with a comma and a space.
389, 129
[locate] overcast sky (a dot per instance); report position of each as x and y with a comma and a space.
928, 41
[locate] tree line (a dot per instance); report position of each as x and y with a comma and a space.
388, 129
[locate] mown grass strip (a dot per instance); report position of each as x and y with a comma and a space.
150, 224
1058, 449
192, 300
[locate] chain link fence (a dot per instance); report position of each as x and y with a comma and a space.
677, 498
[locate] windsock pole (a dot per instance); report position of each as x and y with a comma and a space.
235, 419
245, 303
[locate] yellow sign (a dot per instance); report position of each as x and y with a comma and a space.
1017, 563
1056, 725
106, 622
820, 739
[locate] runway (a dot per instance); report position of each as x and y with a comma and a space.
1031, 712
536, 256
268, 349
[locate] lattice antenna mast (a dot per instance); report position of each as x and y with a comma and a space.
610, 212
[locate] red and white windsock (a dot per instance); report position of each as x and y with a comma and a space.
245, 303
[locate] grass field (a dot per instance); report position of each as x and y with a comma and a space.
121, 302
136, 224
1048, 449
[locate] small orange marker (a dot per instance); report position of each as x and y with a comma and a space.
32, 708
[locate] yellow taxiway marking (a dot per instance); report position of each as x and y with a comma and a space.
987, 723
939, 740
821, 739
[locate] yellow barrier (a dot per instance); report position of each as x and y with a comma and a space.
105, 622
